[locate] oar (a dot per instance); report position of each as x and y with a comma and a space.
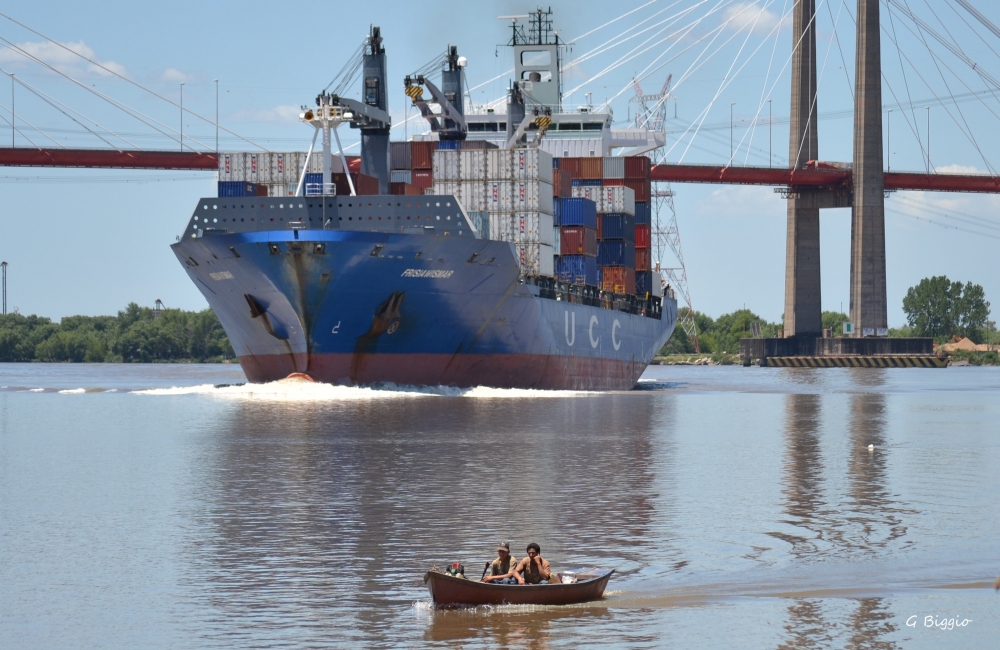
485, 569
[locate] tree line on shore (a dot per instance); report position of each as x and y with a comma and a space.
136, 335
935, 308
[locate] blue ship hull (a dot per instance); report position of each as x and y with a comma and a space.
362, 307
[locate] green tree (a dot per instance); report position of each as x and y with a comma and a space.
834, 321
939, 308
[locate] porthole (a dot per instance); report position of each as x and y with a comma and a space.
196, 218
204, 207
300, 206
449, 217
215, 221
215, 207
438, 217
438, 204
448, 203
282, 206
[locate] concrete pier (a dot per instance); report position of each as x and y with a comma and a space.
803, 306
868, 298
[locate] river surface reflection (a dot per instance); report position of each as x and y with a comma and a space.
144, 506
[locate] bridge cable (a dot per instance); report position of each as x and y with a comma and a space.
120, 105
37, 130
123, 78
763, 88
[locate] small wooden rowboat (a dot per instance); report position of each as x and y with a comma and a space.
450, 591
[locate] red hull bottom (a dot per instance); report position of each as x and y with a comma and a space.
546, 372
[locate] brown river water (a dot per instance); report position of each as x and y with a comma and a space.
148, 507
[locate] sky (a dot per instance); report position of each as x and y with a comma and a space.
91, 241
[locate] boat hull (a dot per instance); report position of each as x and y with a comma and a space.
368, 307
450, 591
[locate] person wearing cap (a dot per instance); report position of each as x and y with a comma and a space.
502, 568
534, 569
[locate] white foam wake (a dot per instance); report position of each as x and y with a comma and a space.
306, 391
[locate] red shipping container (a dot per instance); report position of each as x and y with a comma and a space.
592, 168
578, 240
424, 179
404, 189
641, 189
571, 165
643, 259
262, 190
642, 236
637, 167
618, 279
422, 155
562, 184
364, 184
612, 182
600, 234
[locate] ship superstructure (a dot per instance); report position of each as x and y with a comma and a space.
465, 257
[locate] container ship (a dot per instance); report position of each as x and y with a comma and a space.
509, 250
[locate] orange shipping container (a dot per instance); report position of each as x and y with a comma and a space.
562, 184
618, 279
404, 189
592, 168
571, 165
643, 259
642, 236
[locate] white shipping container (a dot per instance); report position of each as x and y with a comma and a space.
531, 164
281, 189
227, 167
617, 198
472, 164
532, 227
502, 226
251, 167
445, 164
532, 196
498, 196
401, 176
614, 167
535, 259
472, 196
589, 192
498, 164
556, 241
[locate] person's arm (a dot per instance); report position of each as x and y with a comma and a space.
491, 577
543, 568
519, 568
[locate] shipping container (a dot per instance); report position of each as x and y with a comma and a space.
615, 252
498, 164
535, 259
600, 234
643, 283
531, 164
586, 182
577, 212
472, 165
423, 178
556, 211
614, 167
578, 240
280, 189
230, 189
592, 168
365, 185
261, 189
642, 213
449, 145
617, 226
445, 165
618, 279
480, 222
277, 171
521, 227
562, 183
577, 269
617, 199
401, 176
227, 167
637, 167
399, 155
421, 155
555, 163
404, 189
571, 165
472, 196
642, 239
477, 144
612, 182
531, 196
640, 188
556, 241
498, 196
643, 259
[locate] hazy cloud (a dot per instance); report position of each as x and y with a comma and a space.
958, 169
61, 59
173, 75
750, 15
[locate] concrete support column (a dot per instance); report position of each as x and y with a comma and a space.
803, 305
868, 299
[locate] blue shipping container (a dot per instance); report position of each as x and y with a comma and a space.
587, 182
555, 163
578, 212
577, 269
230, 189
616, 252
618, 226
643, 282
642, 213
450, 144
556, 210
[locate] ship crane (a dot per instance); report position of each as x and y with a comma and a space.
449, 124
520, 120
